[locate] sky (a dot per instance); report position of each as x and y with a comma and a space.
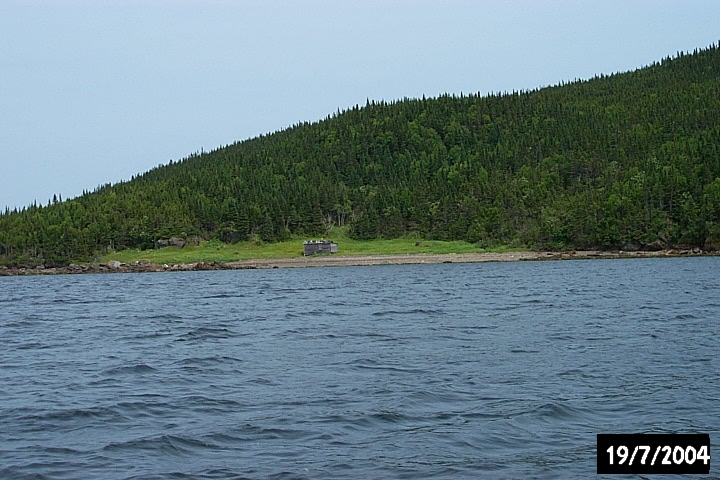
95, 91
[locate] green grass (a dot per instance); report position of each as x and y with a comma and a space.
215, 250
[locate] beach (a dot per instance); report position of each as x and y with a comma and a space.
346, 261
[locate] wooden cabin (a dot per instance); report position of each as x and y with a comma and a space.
319, 247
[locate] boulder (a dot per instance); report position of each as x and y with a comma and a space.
171, 242
177, 242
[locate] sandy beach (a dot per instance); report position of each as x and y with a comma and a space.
331, 261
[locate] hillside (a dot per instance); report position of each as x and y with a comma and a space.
630, 160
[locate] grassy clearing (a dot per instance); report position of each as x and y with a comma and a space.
215, 250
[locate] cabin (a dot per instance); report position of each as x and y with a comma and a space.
319, 247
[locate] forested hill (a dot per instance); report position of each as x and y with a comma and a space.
620, 161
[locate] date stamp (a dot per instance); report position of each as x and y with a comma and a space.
653, 453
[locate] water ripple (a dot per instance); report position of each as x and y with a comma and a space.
435, 371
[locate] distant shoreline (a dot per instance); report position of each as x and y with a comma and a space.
348, 261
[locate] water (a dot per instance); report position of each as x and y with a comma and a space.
504, 370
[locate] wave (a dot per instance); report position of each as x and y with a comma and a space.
551, 412
208, 361
414, 311
225, 295
204, 333
164, 316
129, 370
172, 445
63, 419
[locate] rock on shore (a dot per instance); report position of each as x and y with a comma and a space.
113, 267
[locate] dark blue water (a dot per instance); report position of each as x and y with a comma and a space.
504, 370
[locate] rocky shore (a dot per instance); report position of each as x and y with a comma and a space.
339, 261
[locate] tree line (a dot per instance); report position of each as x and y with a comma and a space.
628, 160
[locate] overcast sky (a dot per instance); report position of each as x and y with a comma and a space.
95, 91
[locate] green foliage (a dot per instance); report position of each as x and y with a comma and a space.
616, 161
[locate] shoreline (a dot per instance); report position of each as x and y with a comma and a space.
347, 261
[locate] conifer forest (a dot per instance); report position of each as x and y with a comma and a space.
629, 160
